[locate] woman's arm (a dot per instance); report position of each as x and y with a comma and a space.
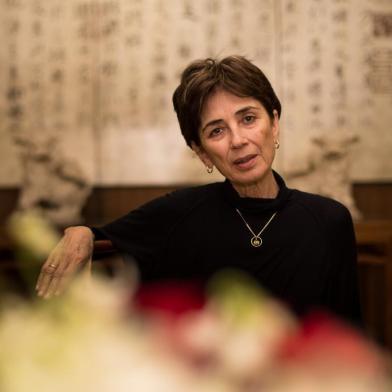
74, 251
344, 285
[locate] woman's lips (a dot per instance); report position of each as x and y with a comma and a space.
245, 162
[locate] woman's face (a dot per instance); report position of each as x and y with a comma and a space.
237, 136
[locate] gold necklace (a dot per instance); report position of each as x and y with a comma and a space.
256, 240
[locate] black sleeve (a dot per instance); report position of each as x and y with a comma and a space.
98, 234
343, 283
142, 233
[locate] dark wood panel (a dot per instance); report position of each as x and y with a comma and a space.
107, 203
8, 201
374, 200
374, 244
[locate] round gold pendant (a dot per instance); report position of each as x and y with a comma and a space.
256, 241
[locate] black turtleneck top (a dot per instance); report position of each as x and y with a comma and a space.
307, 258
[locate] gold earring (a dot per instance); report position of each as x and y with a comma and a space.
210, 169
277, 145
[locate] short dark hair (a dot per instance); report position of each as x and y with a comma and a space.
201, 78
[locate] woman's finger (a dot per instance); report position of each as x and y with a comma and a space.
51, 270
61, 275
48, 269
40, 281
46, 276
73, 251
51, 287
62, 283
50, 274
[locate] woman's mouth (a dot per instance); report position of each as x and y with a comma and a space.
245, 162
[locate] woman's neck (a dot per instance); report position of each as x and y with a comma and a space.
267, 188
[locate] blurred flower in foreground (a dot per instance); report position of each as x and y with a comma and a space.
328, 355
171, 299
177, 337
32, 234
234, 335
82, 342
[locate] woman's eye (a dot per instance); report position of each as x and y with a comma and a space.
248, 119
216, 131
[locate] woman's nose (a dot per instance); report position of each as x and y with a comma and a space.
238, 138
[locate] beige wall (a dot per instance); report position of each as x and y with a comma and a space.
97, 78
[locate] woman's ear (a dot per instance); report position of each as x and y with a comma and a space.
275, 125
203, 156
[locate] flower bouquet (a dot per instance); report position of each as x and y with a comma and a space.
229, 336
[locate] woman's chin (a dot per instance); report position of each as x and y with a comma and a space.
250, 177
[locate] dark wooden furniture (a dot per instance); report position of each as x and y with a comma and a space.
374, 239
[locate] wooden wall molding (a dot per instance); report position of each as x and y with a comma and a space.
107, 203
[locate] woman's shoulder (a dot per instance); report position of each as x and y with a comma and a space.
170, 208
185, 198
326, 208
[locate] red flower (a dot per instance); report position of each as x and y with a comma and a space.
172, 298
324, 339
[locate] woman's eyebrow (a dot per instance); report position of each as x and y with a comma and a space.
245, 109
213, 122
238, 112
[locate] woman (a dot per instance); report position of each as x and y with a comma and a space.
298, 246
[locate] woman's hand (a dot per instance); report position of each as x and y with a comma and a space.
72, 253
